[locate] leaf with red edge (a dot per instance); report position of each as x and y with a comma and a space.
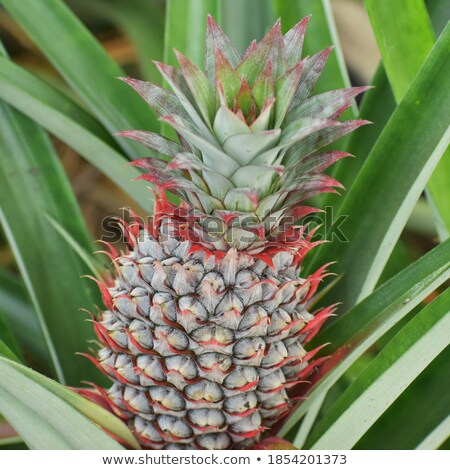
271, 48
326, 104
155, 142
321, 138
227, 79
312, 69
216, 40
263, 89
293, 41
199, 86
285, 87
162, 101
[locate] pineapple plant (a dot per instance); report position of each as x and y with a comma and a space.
207, 314
210, 329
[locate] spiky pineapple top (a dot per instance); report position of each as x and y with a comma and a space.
207, 317
249, 134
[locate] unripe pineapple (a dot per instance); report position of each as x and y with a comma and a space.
207, 319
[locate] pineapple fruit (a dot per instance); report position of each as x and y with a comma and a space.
207, 316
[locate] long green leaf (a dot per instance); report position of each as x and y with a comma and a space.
6, 336
241, 23
377, 106
392, 179
63, 118
32, 182
49, 416
439, 11
7, 352
361, 327
84, 255
141, 20
405, 37
437, 437
398, 428
387, 376
86, 67
185, 29
21, 320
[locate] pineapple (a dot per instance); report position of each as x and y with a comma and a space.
207, 318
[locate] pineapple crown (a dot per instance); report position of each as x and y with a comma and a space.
248, 132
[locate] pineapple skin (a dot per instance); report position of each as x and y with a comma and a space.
203, 347
206, 317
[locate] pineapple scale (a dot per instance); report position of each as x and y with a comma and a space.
202, 349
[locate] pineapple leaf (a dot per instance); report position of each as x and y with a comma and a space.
6, 351
293, 41
162, 101
398, 428
386, 377
185, 29
41, 412
21, 320
417, 137
200, 87
437, 437
311, 72
227, 79
243, 148
285, 88
411, 31
377, 106
213, 157
321, 33
84, 255
63, 118
358, 329
155, 142
270, 48
218, 42
86, 67
326, 104
29, 190
263, 89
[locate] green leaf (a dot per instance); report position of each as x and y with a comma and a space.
185, 29
5, 351
32, 182
377, 107
308, 421
437, 437
63, 118
439, 11
49, 416
86, 67
21, 320
141, 20
242, 24
6, 335
320, 34
387, 188
408, 353
357, 330
405, 37
84, 255
398, 428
